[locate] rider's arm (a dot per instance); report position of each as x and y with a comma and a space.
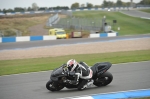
78, 73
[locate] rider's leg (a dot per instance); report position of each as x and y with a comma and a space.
82, 84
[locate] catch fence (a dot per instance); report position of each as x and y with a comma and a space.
86, 24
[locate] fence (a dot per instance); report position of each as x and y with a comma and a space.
79, 23
88, 24
55, 18
52, 20
66, 12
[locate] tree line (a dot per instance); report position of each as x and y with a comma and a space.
34, 7
144, 2
106, 3
20, 9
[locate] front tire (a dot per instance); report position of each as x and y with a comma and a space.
104, 79
50, 86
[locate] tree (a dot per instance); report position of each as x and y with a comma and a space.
4, 11
128, 4
42, 8
35, 6
30, 9
75, 5
25, 9
82, 5
66, 8
145, 2
18, 9
97, 6
110, 4
119, 3
89, 5
105, 3
58, 8
10, 10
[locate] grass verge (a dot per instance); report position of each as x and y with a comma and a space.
42, 64
21, 24
142, 98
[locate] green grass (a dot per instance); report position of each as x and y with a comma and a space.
142, 98
146, 10
8, 25
43, 64
128, 25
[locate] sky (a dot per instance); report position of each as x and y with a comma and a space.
49, 3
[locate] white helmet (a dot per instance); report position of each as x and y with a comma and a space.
71, 64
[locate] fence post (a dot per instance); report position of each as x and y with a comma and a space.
103, 22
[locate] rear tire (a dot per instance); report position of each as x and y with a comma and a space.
104, 79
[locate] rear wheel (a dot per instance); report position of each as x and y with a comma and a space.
104, 79
50, 86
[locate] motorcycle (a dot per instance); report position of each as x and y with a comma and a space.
61, 77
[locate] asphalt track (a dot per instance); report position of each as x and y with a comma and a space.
61, 42
136, 13
130, 76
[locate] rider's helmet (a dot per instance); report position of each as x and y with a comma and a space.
72, 64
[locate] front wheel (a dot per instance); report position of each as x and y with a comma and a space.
50, 85
104, 79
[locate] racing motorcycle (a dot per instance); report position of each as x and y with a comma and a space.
61, 77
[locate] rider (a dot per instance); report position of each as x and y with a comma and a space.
81, 71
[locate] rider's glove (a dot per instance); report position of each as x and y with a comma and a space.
70, 73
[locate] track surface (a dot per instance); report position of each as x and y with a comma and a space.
137, 13
129, 76
23, 45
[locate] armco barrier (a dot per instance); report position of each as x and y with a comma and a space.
103, 35
36, 38
8, 39
26, 38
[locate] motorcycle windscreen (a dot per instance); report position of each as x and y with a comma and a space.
57, 72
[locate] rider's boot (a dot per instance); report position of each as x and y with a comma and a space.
85, 84
90, 83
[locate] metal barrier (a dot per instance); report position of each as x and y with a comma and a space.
52, 19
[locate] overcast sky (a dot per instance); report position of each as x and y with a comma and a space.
49, 3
